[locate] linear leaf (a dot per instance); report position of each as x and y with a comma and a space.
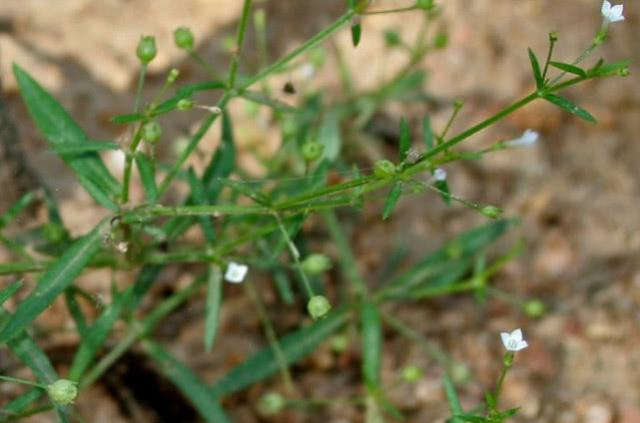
88, 146
212, 311
567, 67
62, 131
147, 171
54, 281
427, 133
452, 398
535, 65
571, 107
610, 68
9, 290
13, 211
371, 345
392, 199
188, 383
294, 346
405, 139
223, 162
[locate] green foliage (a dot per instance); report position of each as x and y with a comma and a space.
320, 167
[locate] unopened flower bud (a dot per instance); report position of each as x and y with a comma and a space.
384, 169
318, 307
146, 50
316, 264
271, 403
339, 343
63, 391
392, 38
441, 40
312, 151
185, 104
491, 211
151, 132
183, 38
412, 374
534, 308
173, 75
624, 71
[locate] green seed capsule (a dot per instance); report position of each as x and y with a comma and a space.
151, 132
173, 75
312, 151
392, 38
185, 104
491, 211
63, 391
183, 38
146, 50
316, 264
412, 374
441, 40
384, 169
271, 403
534, 308
318, 307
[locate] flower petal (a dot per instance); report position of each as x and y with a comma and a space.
506, 340
606, 9
516, 335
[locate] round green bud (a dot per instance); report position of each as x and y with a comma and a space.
624, 71
553, 37
318, 307
173, 75
441, 40
151, 132
424, 4
316, 264
412, 374
271, 403
460, 373
339, 343
392, 38
183, 38
384, 169
54, 232
491, 211
185, 104
312, 151
146, 50
534, 308
63, 391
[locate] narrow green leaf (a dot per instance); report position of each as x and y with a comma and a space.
445, 192
472, 419
223, 162
405, 139
356, 32
452, 398
88, 146
212, 310
571, 107
609, 69
54, 281
392, 199
8, 291
260, 98
329, 133
537, 73
198, 196
147, 171
294, 346
427, 132
62, 131
19, 405
371, 345
188, 382
17, 208
75, 311
567, 67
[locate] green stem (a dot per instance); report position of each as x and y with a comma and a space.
287, 380
22, 381
295, 254
242, 29
206, 66
138, 97
398, 10
310, 43
128, 165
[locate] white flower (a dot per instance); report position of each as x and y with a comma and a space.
440, 174
513, 341
236, 272
528, 138
612, 13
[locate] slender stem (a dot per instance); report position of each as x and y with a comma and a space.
398, 10
552, 44
295, 254
138, 98
287, 380
206, 66
456, 109
242, 29
310, 43
22, 381
128, 164
430, 348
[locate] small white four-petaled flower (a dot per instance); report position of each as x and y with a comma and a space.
528, 138
236, 272
513, 341
612, 13
440, 174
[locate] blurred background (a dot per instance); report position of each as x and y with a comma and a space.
577, 191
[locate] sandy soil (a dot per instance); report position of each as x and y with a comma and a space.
577, 193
